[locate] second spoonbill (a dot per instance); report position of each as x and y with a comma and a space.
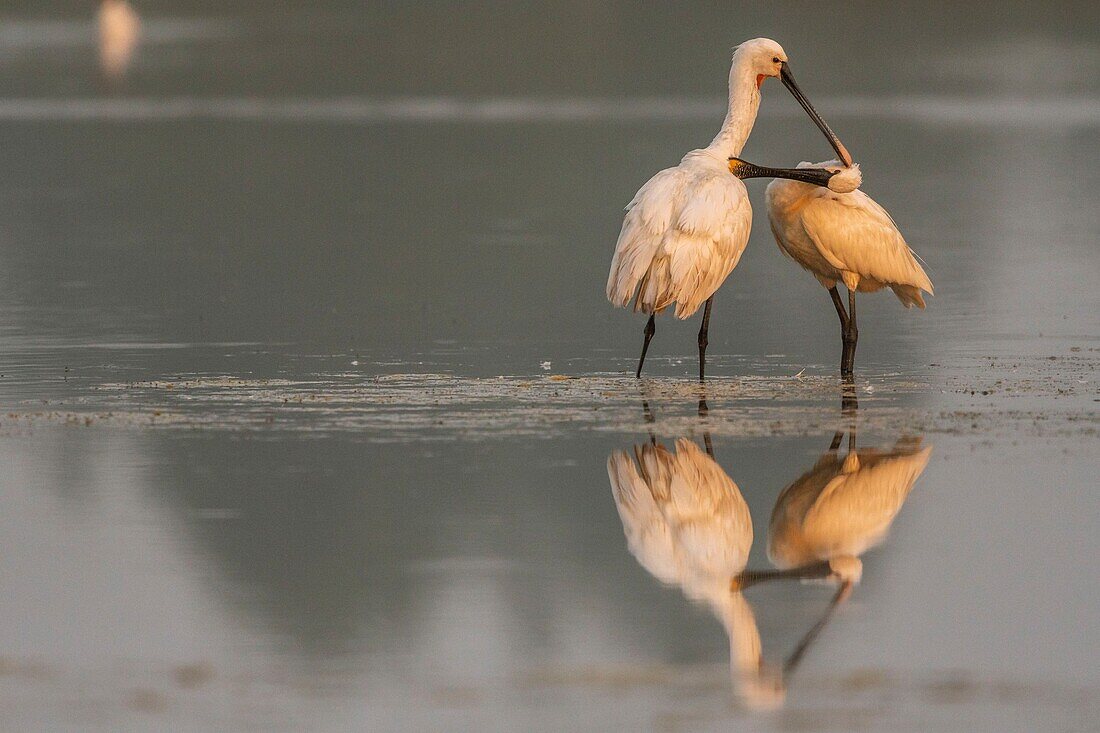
844, 237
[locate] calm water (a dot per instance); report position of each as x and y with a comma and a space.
310, 387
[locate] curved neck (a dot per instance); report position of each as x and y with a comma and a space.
744, 102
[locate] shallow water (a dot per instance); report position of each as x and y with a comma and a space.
310, 387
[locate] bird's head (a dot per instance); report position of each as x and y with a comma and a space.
846, 569
763, 57
844, 178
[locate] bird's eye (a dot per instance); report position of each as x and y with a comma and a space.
775, 59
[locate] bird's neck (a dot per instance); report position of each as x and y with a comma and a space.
746, 649
744, 102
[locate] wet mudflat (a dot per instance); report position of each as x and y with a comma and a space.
314, 416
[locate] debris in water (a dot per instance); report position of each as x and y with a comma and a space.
545, 365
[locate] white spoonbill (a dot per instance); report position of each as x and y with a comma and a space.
844, 237
686, 228
119, 29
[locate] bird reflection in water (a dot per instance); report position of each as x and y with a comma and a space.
688, 525
119, 33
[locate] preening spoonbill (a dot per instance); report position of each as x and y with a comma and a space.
119, 28
844, 237
686, 228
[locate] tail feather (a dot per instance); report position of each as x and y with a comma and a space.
909, 295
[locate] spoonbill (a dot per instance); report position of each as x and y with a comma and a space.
686, 228
119, 29
844, 236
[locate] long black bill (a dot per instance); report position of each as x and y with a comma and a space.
792, 87
800, 649
812, 571
815, 176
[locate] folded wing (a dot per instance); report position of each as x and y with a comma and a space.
854, 234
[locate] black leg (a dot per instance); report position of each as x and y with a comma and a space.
650, 327
647, 414
851, 336
704, 409
837, 437
848, 402
839, 305
703, 337
842, 314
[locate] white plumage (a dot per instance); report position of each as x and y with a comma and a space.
684, 517
683, 234
687, 524
844, 237
686, 228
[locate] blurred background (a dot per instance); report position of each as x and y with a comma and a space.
326, 191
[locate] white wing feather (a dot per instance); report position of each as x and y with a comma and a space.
707, 514
647, 219
843, 508
855, 510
